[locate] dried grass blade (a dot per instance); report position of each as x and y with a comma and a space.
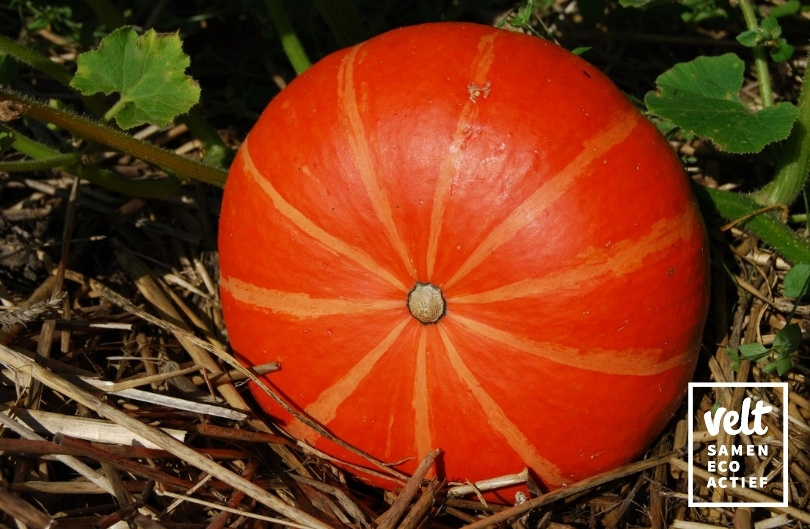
219, 521
81, 427
343, 499
234, 434
29, 314
43, 291
153, 291
15, 361
323, 503
143, 380
111, 461
233, 511
575, 488
170, 401
24, 512
72, 462
499, 482
390, 518
421, 508
749, 495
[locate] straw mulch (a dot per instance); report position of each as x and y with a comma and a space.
121, 405
132, 419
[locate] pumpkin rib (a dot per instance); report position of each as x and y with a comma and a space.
549, 191
352, 124
497, 418
593, 265
628, 361
300, 305
308, 227
421, 398
481, 66
324, 408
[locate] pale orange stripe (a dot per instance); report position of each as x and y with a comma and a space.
549, 192
352, 123
299, 305
634, 362
324, 408
594, 264
469, 113
421, 402
329, 241
498, 420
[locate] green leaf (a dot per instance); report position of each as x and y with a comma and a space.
702, 97
783, 365
782, 51
769, 35
754, 351
796, 281
789, 8
148, 72
735, 356
643, 3
6, 139
698, 11
749, 38
635, 3
770, 26
788, 339
522, 17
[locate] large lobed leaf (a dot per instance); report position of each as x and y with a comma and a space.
148, 72
702, 97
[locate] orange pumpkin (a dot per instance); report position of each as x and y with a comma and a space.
454, 236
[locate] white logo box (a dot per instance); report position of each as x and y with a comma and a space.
777, 410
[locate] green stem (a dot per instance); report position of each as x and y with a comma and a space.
40, 164
107, 13
289, 40
45, 65
342, 19
794, 163
152, 188
114, 110
35, 59
29, 147
760, 57
764, 225
136, 188
93, 131
217, 154
798, 218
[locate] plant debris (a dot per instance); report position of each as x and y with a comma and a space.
121, 405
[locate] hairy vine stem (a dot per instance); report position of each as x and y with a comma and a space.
289, 40
794, 165
760, 57
105, 135
763, 224
44, 157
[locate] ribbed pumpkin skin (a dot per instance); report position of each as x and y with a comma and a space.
514, 176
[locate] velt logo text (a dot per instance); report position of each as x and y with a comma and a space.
730, 419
